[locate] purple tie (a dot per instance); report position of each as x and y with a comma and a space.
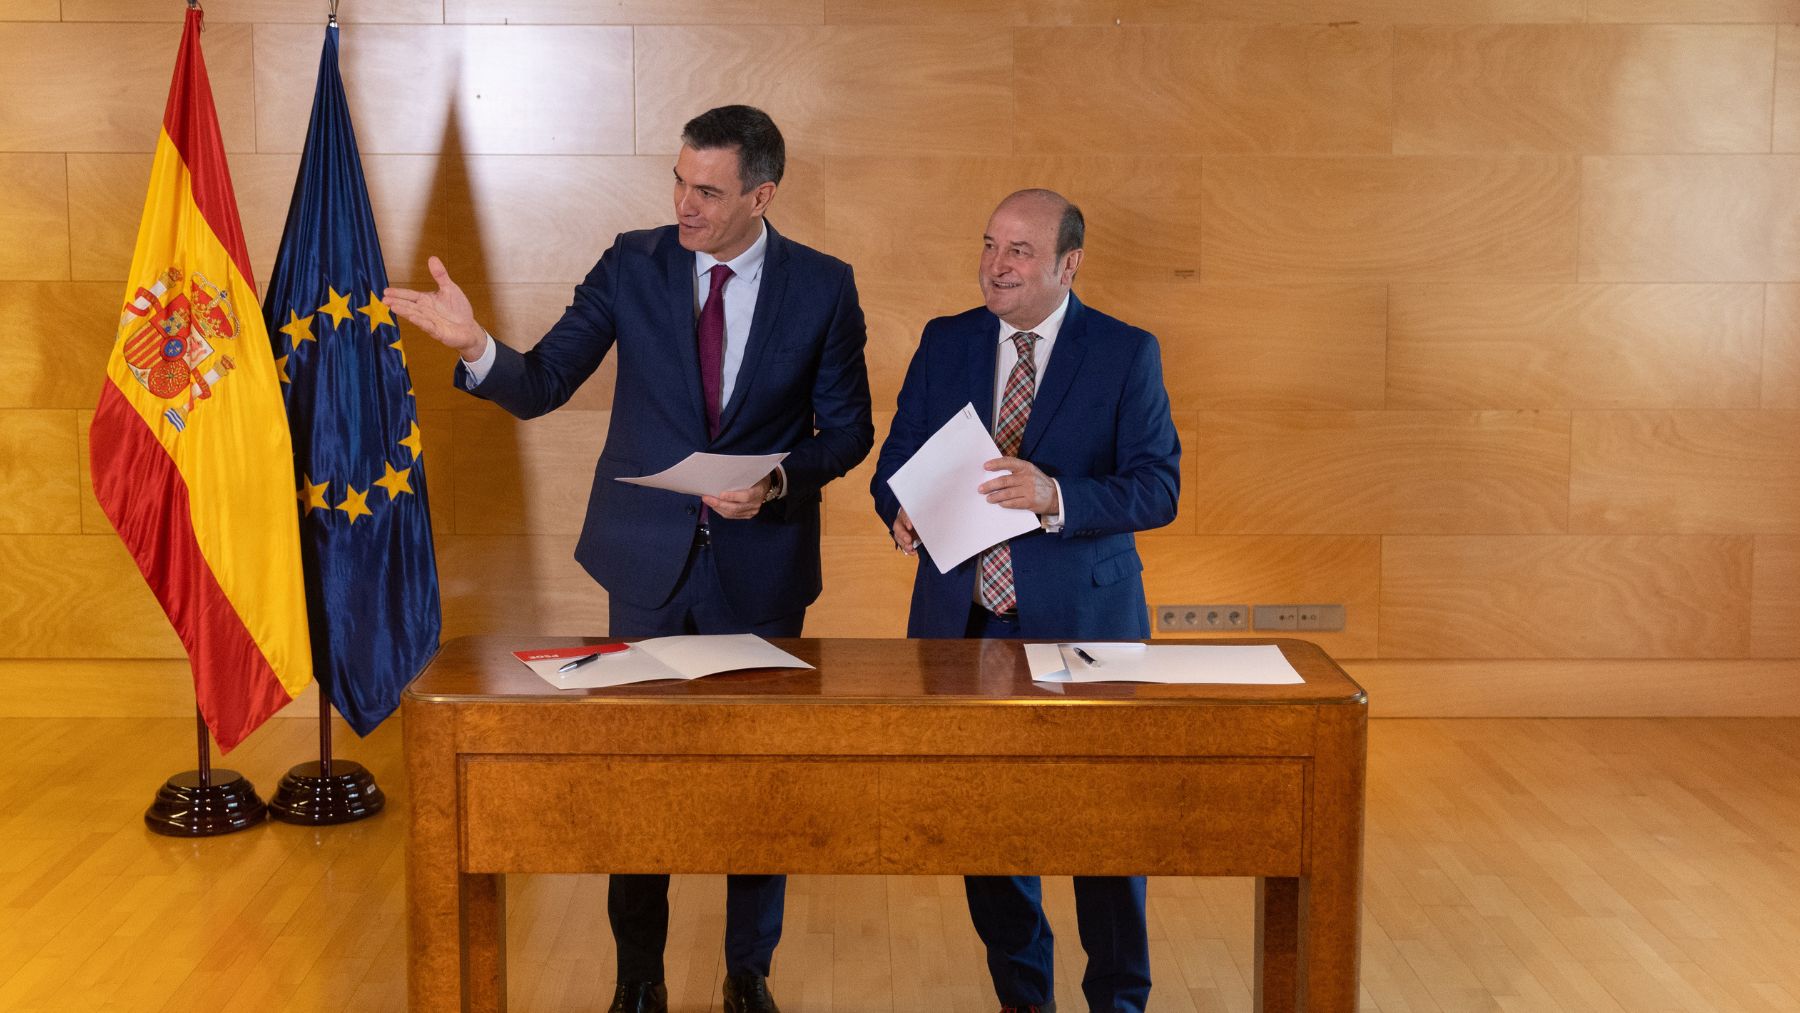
712, 346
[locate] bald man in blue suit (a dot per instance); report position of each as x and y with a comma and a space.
1076, 401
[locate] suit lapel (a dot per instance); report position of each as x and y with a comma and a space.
1065, 363
678, 286
982, 361
762, 324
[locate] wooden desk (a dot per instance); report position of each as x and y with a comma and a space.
892, 757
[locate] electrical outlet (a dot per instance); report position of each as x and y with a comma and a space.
1319, 617
1277, 617
1202, 618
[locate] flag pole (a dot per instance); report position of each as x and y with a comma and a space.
326, 791
204, 802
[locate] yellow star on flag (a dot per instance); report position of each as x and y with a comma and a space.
281, 370
313, 494
377, 312
395, 482
413, 441
356, 504
399, 346
337, 307
298, 328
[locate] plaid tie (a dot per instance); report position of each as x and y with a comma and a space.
995, 590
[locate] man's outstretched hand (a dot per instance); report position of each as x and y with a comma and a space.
445, 314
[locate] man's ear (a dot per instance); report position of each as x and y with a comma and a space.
763, 194
1070, 265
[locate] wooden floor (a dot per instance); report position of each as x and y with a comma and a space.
1513, 865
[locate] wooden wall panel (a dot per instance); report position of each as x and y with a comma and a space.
541, 220
1019, 13
48, 108
848, 509
1272, 570
1587, 88
524, 478
1787, 88
634, 12
1575, 346
896, 313
1411, 218
1775, 609
868, 588
1549, 596
30, 10
56, 337
218, 12
1381, 472
1260, 346
1396, 11
1690, 218
1781, 348
1748, 11
1685, 472
34, 219
520, 584
1218, 89
78, 596
37, 477
451, 89
1575, 689
842, 90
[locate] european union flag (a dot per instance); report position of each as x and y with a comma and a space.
371, 578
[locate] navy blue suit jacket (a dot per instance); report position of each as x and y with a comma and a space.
802, 388
1099, 425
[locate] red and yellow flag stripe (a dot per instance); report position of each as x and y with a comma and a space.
191, 456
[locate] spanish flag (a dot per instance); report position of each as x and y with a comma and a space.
191, 456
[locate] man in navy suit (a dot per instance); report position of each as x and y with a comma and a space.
733, 340
1076, 402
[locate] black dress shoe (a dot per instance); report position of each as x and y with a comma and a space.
640, 997
1048, 1007
748, 993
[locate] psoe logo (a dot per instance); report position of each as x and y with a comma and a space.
173, 339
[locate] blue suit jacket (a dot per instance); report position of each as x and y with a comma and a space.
1099, 425
802, 388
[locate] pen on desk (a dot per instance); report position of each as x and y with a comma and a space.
1092, 661
577, 663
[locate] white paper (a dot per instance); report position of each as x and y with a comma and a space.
1199, 664
1054, 662
710, 474
668, 658
938, 489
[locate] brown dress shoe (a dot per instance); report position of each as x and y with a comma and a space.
748, 993
640, 997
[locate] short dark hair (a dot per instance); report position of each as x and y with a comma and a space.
762, 154
1071, 227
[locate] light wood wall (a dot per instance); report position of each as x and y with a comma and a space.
1481, 317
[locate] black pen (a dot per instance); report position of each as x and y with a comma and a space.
577, 663
1085, 656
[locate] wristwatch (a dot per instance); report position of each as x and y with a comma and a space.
777, 486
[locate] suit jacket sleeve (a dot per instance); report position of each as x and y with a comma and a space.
909, 432
843, 425
1141, 491
529, 384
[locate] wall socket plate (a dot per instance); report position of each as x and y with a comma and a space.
1277, 617
1202, 618
1319, 618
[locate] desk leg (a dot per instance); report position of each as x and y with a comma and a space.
1331, 898
455, 960
1277, 987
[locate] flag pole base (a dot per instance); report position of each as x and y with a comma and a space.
192, 805
312, 798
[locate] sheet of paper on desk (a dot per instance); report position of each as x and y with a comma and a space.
668, 658
1198, 664
1052, 662
710, 474
937, 488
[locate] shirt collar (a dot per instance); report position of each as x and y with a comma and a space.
1047, 330
746, 265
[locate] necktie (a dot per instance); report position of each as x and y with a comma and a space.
712, 346
994, 587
